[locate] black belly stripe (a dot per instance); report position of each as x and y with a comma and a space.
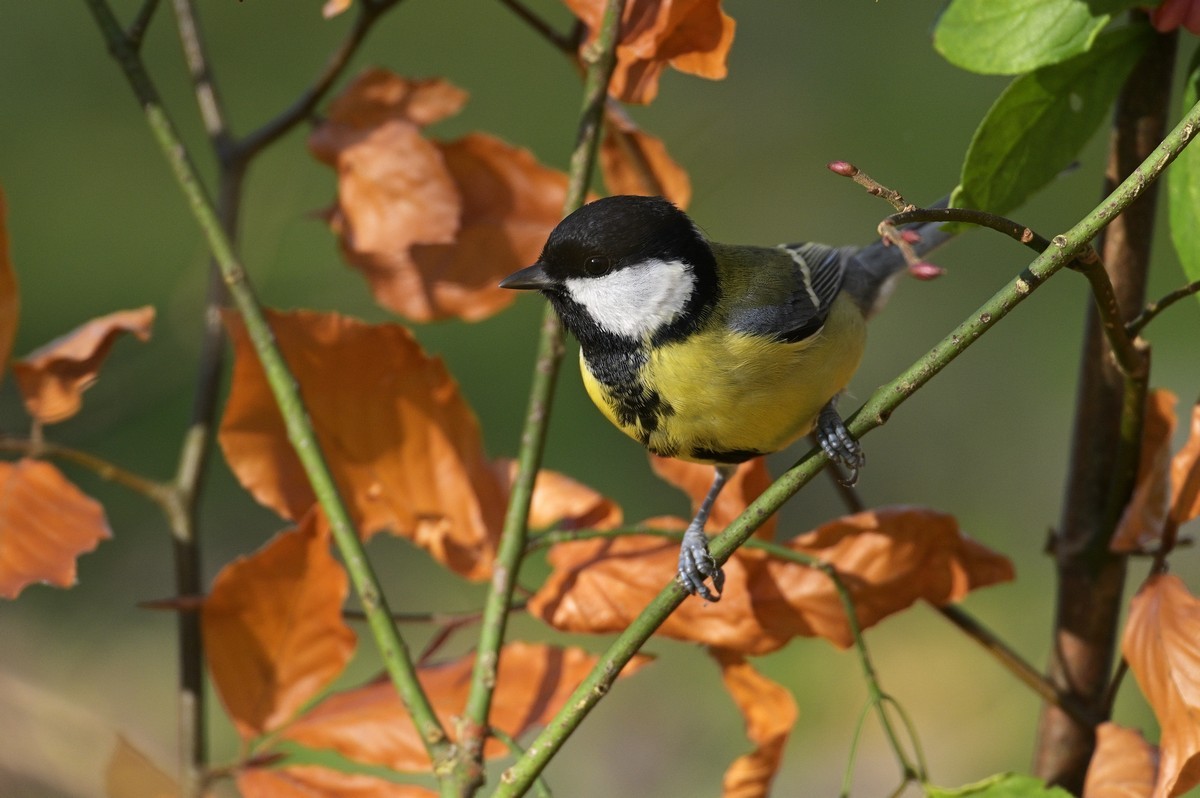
729, 456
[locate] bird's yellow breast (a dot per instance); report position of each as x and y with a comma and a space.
723, 396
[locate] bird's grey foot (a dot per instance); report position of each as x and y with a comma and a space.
836, 442
696, 565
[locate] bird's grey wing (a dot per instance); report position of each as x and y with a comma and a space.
799, 307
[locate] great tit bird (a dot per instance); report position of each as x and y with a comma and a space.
710, 352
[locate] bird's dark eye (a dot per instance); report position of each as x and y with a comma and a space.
597, 266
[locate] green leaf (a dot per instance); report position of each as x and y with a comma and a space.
1183, 189
1006, 37
1041, 121
1003, 785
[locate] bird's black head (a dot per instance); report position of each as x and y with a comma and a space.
629, 266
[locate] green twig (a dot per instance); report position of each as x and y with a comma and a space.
397, 660
533, 436
110, 472
874, 413
540, 788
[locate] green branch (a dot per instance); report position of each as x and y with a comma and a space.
602, 61
397, 660
875, 412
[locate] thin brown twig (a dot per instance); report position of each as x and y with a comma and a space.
136, 32
567, 43
303, 106
110, 472
204, 85
1138, 322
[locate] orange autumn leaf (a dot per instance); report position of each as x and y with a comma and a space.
369, 724
45, 523
693, 36
510, 204
401, 442
634, 162
131, 774
377, 96
1142, 522
9, 298
1124, 765
273, 627
769, 711
315, 781
559, 500
54, 376
1162, 646
887, 558
694, 479
432, 226
1185, 476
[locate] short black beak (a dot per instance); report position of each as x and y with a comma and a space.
531, 277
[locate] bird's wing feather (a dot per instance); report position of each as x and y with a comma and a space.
788, 292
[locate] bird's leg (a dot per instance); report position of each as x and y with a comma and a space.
695, 563
836, 442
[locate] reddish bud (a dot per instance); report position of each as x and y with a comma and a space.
843, 168
924, 270
910, 236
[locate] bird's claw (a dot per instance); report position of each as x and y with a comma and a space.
835, 441
696, 565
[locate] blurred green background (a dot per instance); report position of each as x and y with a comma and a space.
97, 225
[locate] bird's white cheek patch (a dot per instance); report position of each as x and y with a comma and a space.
637, 300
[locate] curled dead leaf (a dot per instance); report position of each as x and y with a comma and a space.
887, 559
1124, 765
693, 36
634, 162
1162, 646
1141, 524
369, 724
433, 226
273, 627
401, 442
769, 711
53, 377
560, 501
45, 523
1185, 475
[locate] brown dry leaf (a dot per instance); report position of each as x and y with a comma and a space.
432, 226
273, 627
9, 298
769, 711
694, 479
334, 7
560, 501
693, 36
1162, 646
53, 377
314, 781
1141, 524
1123, 766
131, 774
45, 523
377, 96
510, 203
369, 724
400, 440
634, 162
1185, 476
887, 558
